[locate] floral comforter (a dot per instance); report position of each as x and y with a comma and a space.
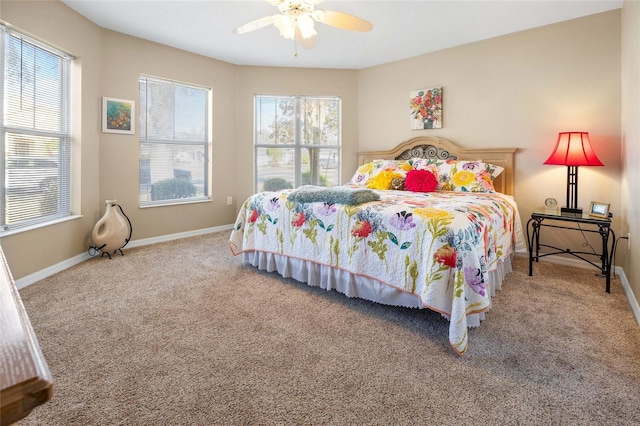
439, 246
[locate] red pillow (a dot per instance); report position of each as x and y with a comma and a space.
419, 180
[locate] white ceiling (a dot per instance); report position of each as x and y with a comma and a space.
401, 29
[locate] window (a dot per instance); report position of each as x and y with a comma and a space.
297, 141
35, 132
174, 142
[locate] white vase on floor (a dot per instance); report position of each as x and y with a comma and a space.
113, 230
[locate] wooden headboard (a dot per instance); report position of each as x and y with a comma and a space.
440, 148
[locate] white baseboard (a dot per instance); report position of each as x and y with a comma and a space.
179, 235
66, 264
561, 260
51, 270
633, 302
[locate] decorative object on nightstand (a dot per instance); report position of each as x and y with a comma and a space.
112, 232
599, 210
573, 149
551, 205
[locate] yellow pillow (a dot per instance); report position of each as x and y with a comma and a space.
383, 179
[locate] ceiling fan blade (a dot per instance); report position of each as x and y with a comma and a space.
254, 25
342, 20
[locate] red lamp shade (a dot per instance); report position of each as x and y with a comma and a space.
573, 149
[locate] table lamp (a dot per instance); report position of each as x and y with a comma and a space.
573, 149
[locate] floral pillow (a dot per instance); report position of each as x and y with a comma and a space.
452, 175
369, 171
384, 179
463, 175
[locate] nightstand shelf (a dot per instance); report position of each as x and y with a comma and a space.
549, 219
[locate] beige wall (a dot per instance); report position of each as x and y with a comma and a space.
54, 23
630, 181
518, 90
124, 58
109, 64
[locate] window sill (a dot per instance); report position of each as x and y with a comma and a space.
176, 203
39, 225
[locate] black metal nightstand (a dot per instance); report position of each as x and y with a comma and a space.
535, 224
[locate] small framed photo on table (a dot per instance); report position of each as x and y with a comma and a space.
599, 210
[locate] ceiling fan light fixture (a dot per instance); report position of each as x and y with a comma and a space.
297, 18
306, 26
286, 24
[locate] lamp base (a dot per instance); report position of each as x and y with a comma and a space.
564, 210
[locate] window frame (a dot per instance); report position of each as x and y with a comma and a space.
205, 144
63, 200
298, 145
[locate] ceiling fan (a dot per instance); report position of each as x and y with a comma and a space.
297, 17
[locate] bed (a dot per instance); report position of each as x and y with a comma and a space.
393, 236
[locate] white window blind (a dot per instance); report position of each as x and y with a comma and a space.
174, 141
35, 132
297, 141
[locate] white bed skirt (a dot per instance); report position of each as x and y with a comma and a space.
360, 286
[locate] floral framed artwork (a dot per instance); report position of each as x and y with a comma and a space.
118, 116
425, 108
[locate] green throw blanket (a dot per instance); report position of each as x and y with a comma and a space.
332, 195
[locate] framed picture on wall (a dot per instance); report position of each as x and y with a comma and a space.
425, 108
118, 116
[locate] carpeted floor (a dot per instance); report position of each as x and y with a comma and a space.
181, 333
